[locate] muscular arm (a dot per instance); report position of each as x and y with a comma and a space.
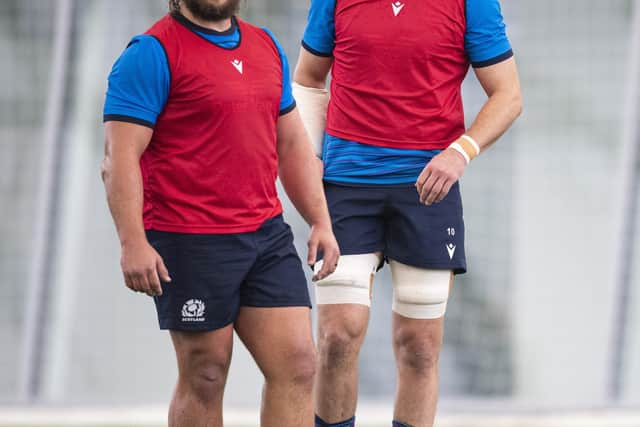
311, 70
124, 144
502, 85
302, 180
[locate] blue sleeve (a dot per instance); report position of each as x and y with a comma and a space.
287, 103
320, 34
138, 83
486, 39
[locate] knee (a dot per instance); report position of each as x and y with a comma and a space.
298, 367
415, 353
303, 367
339, 343
205, 376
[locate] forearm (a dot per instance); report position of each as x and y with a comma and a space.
123, 184
311, 95
301, 177
495, 117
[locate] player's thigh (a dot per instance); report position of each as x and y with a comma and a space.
274, 320
420, 293
276, 278
430, 237
207, 272
356, 217
279, 339
351, 282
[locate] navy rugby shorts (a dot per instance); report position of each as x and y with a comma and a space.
213, 275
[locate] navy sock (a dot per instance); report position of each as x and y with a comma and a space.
399, 424
351, 422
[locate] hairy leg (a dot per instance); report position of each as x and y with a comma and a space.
281, 342
203, 364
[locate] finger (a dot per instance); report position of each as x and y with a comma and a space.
318, 266
154, 283
327, 265
424, 175
143, 283
435, 192
313, 252
445, 191
427, 187
146, 279
330, 264
128, 281
163, 270
136, 286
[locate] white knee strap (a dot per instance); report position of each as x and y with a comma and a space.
350, 283
420, 293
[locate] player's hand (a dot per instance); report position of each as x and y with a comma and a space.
439, 175
322, 239
143, 268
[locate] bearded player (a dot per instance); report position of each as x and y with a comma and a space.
199, 120
394, 149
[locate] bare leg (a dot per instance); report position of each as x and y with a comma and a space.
341, 331
281, 342
203, 363
416, 344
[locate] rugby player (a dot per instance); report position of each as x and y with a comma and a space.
394, 149
199, 121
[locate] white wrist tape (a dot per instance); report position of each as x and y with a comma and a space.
473, 143
312, 104
460, 150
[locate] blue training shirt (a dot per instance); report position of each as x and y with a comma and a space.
140, 80
486, 44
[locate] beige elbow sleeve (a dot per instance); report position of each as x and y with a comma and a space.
312, 104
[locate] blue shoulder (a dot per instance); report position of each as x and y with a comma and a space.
319, 35
486, 40
287, 103
139, 83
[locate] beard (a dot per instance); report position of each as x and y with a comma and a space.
205, 10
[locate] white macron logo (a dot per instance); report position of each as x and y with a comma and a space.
451, 248
193, 311
397, 8
238, 65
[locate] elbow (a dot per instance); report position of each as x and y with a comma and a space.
104, 170
509, 101
105, 166
516, 104
309, 79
